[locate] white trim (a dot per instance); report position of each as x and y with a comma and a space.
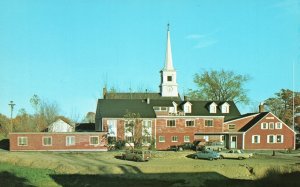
155, 133
71, 138
174, 140
162, 137
170, 120
270, 123
276, 118
278, 123
253, 138
25, 137
188, 138
190, 120
43, 137
213, 124
94, 137
186, 117
262, 125
243, 146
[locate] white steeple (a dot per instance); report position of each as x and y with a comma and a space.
169, 61
168, 86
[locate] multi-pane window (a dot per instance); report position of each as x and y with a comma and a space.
174, 138
70, 140
271, 125
129, 139
22, 141
171, 123
129, 131
278, 125
161, 139
271, 139
47, 141
186, 138
94, 140
209, 123
231, 126
190, 123
255, 139
112, 128
147, 131
213, 108
279, 138
264, 125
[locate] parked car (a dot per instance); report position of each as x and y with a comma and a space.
238, 154
184, 146
214, 146
137, 155
206, 154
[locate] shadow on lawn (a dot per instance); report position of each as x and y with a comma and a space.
213, 179
9, 179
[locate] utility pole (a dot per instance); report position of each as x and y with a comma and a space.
11, 104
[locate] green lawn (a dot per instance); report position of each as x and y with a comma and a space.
165, 169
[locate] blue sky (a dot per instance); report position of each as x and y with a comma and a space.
66, 51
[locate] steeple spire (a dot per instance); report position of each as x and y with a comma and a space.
168, 61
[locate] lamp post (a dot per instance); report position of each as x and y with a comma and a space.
11, 104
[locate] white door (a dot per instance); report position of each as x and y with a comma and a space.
233, 140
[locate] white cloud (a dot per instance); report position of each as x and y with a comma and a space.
207, 43
203, 40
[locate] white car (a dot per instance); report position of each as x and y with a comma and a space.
239, 154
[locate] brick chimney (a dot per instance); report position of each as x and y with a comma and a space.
261, 107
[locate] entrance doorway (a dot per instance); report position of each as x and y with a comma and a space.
233, 140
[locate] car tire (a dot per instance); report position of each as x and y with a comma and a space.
210, 158
240, 158
221, 157
135, 159
195, 157
180, 149
124, 157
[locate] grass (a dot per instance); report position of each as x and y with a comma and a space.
165, 169
12, 175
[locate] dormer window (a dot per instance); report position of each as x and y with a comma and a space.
225, 108
187, 107
213, 108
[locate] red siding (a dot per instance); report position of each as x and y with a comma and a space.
35, 142
288, 139
239, 123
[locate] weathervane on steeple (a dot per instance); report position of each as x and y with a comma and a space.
168, 26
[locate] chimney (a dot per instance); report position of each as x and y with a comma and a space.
261, 107
104, 92
148, 100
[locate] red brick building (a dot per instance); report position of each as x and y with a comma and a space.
169, 120
45, 141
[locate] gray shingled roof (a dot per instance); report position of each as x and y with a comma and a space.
253, 121
139, 95
112, 108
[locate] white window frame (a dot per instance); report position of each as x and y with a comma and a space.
21, 140
213, 109
44, 142
281, 136
225, 108
112, 128
68, 138
268, 138
271, 125
231, 125
188, 120
253, 139
171, 120
208, 120
186, 139
174, 139
278, 125
161, 139
262, 125
90, 138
